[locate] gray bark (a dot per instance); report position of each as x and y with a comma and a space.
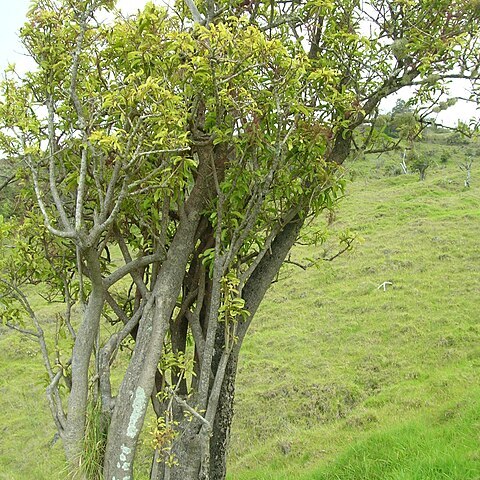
138, 383
82, 352
220, 439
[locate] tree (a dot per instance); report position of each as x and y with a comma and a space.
195, 143
420, 163
402, 121
466, 166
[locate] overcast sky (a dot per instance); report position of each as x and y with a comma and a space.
12, 16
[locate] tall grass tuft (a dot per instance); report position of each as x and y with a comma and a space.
95, 441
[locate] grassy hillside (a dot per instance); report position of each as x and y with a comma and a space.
342, 380
338, 379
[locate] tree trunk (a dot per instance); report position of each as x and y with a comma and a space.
200, 448
137, 386
253, 293
82, 352
223, 421
188, 455
138, 383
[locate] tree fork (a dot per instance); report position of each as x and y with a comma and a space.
138, 384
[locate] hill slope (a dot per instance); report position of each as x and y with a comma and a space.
343, 380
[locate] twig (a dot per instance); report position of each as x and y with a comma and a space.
187, 407
22, 330
384, 285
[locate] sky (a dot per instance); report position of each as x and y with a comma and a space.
12, 17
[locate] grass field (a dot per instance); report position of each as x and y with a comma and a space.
339, 379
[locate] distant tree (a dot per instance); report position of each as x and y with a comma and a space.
420, 163
401, 107
401, 121
195, 142
466, 166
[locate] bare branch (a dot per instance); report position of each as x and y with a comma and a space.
22, 330
340, 252
81, 190
267, 246
52, 170
130, 267
162, 152
191, 410
59, 233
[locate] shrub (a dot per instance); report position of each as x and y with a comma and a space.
445, 157
457, 139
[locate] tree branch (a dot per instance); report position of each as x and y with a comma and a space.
130, 267
197, 16
7, 182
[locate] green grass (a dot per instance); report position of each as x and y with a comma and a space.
25, 423
441, 446
338, 376
338, 379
